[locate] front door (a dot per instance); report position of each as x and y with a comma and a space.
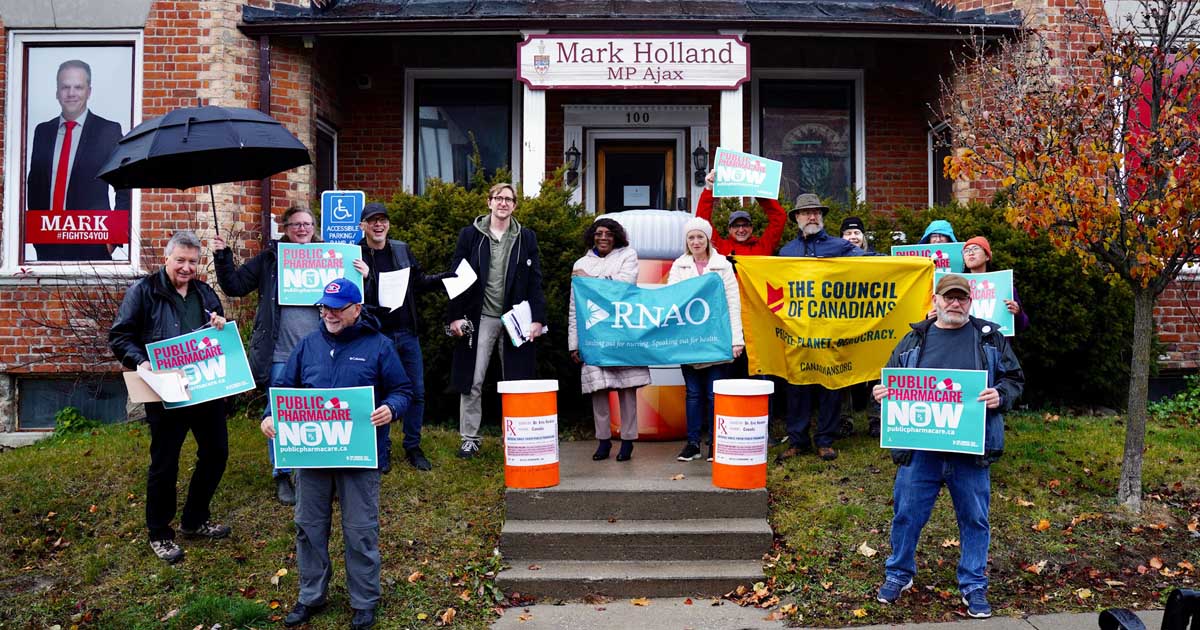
635, 174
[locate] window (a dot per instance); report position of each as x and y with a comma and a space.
74, 96
326, 157
809, 126
39, 399
941, 189
454, 118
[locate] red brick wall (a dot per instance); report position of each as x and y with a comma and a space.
1177, 317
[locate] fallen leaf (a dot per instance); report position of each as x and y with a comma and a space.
866, 550
774, 616
524, 617
415, 576
534, 567
422, 616
92, 509
679, 477
1041, 526
1083, 593
274, 604
1165, 572
448, 616
860, 612
1186, 566
1156, 563
949, 542
687, 602
1037, 567
1023, 503
1142, 570
278, 574
1114, 582
1194, 525
1054, 483
640, 601
170, 615
465, 595
826, 585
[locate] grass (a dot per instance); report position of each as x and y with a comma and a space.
1088, 555
75, 553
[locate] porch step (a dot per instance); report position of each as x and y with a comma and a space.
577, 579
636, 540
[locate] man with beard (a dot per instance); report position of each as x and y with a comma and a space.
812, 242
954, 341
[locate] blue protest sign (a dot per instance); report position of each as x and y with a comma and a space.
341, 211
304, 270
933, 410
679, 324
745, 175
324, 428
214, 362
988, 293
945, 256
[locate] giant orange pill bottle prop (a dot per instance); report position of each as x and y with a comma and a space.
530, 425
741, 413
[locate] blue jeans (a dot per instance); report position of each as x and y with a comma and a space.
917, 487
276, 374
800, 400
409, 349
699, 384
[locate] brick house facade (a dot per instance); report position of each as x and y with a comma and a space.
348, 82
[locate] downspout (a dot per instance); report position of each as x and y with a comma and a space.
264, 105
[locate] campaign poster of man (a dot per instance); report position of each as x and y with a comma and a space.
78, 104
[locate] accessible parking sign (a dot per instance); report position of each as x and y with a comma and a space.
341, 211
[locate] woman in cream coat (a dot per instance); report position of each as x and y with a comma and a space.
608, 256
700, 258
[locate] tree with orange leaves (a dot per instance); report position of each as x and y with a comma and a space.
1099, 151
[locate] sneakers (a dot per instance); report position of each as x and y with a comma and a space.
977, 604
790, 452
891, 590
285, 491
167, 550
301, 613
364, 619
827, 453
689, 452
416, 458
626, 452
468, 449
207, 529
602, 450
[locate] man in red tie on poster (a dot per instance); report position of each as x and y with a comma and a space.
67, 153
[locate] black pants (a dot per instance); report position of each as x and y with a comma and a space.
168, 430
800, 402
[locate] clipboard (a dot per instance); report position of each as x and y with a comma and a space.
141, 392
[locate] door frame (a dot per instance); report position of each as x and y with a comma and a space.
592, 179
669, 167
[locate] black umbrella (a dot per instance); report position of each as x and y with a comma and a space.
194, 146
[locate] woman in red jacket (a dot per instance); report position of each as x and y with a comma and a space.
741, 239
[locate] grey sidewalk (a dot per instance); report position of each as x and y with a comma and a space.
674, 614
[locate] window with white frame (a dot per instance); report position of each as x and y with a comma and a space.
941, 188
71, 96
455, 119
326, 154
810, 125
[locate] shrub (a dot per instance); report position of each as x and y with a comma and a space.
1182, 407
70, 420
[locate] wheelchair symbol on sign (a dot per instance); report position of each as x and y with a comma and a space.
341, 212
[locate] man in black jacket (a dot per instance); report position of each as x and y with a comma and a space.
381, 255
505, 257
168, 303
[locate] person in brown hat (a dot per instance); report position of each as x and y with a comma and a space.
812, 242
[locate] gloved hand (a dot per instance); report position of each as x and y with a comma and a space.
901, 457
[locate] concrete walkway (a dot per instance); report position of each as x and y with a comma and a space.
674, 614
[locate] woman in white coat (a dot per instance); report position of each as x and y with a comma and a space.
700, 258
608, 256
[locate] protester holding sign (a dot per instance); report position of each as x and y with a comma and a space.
166, 304
277, 329
610, 257
506, 259
347, 351
700, 258
741, 239
812, 242
977, 256
389, 268
954, 341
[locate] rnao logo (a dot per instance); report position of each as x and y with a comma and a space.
596, 314
640, 316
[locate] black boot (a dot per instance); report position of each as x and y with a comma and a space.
602, 450
626, 452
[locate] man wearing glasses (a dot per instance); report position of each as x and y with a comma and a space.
381, 255
954, 341
505, 257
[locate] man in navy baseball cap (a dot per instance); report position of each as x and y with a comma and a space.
339, 294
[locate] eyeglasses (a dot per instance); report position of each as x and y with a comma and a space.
330, 309
504, 200
973, 249
739, 226
961, 299
298, 225
379, 218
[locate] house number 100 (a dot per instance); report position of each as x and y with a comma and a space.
637, 117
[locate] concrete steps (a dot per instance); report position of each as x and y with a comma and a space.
652, 527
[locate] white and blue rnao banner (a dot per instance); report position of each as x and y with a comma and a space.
620, 324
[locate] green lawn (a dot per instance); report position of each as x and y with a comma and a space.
75, 551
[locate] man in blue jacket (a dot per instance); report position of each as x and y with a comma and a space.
953, 341
347, 351
812, 242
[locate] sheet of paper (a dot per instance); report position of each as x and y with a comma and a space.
393, 288
517, 322
466, 277
171, 385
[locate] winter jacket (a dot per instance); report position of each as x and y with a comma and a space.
939, 226
358, 356
994, 354
258, 274
522, 282
620, 265
755, 245
402, 258
148, 314
684, 268
819, 245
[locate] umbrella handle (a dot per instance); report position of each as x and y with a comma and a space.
213, 200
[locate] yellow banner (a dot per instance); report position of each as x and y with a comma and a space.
829, 321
